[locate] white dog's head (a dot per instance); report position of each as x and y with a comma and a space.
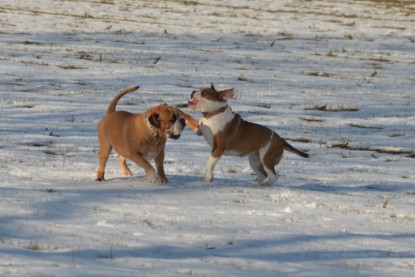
209, 99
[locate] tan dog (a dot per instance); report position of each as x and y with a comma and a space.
228, 134
138, 137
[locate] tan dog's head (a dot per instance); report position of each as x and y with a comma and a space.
209, 99
166, 121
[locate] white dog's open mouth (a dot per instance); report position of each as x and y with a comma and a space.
192, 102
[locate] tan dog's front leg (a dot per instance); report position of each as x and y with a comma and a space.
141, 162
193, 123
160, 168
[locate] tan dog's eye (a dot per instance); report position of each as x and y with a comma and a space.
204, 92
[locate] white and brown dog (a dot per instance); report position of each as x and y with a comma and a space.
228, 134
138, 137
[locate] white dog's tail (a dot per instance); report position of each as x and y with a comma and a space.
291, 149
113, 104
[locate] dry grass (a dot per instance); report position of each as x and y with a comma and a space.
312, 119
320, 74
303, 140
326, 108
384, 150
360, 126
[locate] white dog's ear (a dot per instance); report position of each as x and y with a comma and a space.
227, 94
212, 87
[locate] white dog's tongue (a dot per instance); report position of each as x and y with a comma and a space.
193, 101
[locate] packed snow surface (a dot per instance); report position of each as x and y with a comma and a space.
334, 78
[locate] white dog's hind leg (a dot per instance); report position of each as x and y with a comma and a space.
257, 167
271, 179
268, 164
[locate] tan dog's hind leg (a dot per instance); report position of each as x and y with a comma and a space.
124, 168
160, 168
104, 152
141, 162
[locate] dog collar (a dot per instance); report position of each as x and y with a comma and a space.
150, 127
211, 114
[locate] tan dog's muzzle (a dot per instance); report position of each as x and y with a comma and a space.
177, 128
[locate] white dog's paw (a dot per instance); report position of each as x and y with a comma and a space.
269, 181
208, 177
258, 180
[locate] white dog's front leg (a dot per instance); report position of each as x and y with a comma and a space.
209, 168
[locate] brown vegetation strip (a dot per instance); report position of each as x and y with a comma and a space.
387, 150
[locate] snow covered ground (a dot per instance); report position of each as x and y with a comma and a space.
335, 78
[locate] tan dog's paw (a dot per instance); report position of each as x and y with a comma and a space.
152, 176
162, 180
100, 176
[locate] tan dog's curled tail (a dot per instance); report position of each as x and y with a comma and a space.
113, 104
291, 149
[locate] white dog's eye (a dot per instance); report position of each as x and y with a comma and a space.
173, 118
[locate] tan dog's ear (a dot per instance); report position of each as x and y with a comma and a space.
227, 94
154, 120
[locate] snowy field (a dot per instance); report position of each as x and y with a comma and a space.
335, 78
